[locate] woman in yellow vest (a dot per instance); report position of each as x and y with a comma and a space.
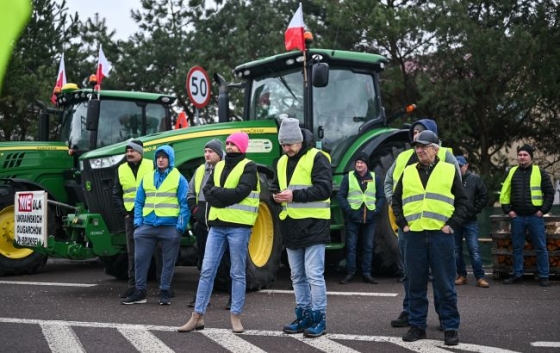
232, 191
161, 214
428, 202
361, 198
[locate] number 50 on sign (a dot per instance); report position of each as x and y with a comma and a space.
198, 87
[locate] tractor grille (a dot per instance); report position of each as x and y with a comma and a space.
98, 185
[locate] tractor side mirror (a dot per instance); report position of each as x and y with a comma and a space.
320, 74
92, 118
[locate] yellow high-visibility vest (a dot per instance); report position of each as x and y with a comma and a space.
355, 194
129, 183
404, 157
163, 201
301, 179
244, 212
534, 182
198, 176
429, 208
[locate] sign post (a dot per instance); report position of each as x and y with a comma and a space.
30, 223
198, 88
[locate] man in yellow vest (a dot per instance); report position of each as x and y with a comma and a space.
527, 194
393, 175
361, 198
429, 201
303, 186
213, 153
161, 214
126, 180
232, 191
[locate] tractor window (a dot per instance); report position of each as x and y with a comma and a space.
344, 105
118, 121
273, 96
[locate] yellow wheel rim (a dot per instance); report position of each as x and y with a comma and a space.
7, 236
262, 237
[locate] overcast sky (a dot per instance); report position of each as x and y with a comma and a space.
116, 13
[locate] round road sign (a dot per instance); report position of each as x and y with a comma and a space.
198, 87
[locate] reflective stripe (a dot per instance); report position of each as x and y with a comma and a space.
129, 190
163, 194
438, 197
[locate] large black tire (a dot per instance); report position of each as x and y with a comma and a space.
16, 261
386, 250
265, 246
116, 266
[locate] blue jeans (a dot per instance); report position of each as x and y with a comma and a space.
219, 238
433, 250
146, 240
535, 225
469, 230
308, 267
367, 233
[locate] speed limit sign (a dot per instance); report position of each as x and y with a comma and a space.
198, 87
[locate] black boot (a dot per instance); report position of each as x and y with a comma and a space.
347, 279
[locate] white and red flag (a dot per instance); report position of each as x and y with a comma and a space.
60, 79
293, 37
104, 67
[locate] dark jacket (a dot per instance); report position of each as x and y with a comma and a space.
200, 209
520, 198
362, 214
221, 197
461, 200
477, 194
300, 233
118, 191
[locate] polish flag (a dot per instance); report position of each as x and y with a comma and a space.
60, 79
104, 67
293, 37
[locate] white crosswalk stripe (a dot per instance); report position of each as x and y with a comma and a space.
230, 341
61, 338
144, 341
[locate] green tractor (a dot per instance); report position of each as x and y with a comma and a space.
335, 94
52, 164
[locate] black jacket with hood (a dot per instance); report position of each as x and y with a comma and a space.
301, 233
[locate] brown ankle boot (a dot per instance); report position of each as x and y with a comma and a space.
195, 323
236, 326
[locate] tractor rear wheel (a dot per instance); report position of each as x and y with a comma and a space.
14, 261
265, 245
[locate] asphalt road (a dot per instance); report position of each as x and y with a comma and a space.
75, 307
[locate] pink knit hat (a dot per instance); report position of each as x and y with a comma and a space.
240, 139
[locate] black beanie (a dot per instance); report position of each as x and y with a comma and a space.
527, 149
362, 156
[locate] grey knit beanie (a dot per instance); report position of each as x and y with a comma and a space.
216, 146
290, 132
136, 145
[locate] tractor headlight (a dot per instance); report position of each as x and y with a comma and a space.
105, 162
